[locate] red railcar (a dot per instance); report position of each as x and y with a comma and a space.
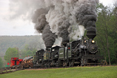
15, 61
20, 60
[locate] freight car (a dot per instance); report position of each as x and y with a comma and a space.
15, 61
27, 62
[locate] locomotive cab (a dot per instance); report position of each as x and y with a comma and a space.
54, 52
47, 54
38, 58
65, 52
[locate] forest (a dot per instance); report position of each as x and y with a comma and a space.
106, 39
107, 32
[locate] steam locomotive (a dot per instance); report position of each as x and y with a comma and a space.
80, 52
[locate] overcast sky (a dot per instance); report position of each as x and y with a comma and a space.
19, 26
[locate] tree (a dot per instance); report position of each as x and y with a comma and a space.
103, 21
106, 33
28, 51
11, 52
1, 63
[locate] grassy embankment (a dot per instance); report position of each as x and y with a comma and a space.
74, 72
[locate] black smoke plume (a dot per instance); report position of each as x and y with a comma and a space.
67, 19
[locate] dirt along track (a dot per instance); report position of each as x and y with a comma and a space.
67, 67
8, 71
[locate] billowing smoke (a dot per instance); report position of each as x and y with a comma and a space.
59, 18
48, 36
41, 25
39, 19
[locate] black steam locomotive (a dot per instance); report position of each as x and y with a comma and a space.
80, 52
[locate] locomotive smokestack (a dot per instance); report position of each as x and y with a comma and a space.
91, 32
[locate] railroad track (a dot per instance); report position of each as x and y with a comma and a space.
9, 69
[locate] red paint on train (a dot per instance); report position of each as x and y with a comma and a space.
15, 61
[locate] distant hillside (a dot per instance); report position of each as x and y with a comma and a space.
19, 42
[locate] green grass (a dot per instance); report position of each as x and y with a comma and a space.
74, 72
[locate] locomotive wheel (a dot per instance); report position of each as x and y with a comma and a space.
58, 64
45, 65
71, 64
22, 67
30, 66
104, 62
48, 65
83, 62
64, 64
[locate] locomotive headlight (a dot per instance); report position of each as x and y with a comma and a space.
85, 41
93, 41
